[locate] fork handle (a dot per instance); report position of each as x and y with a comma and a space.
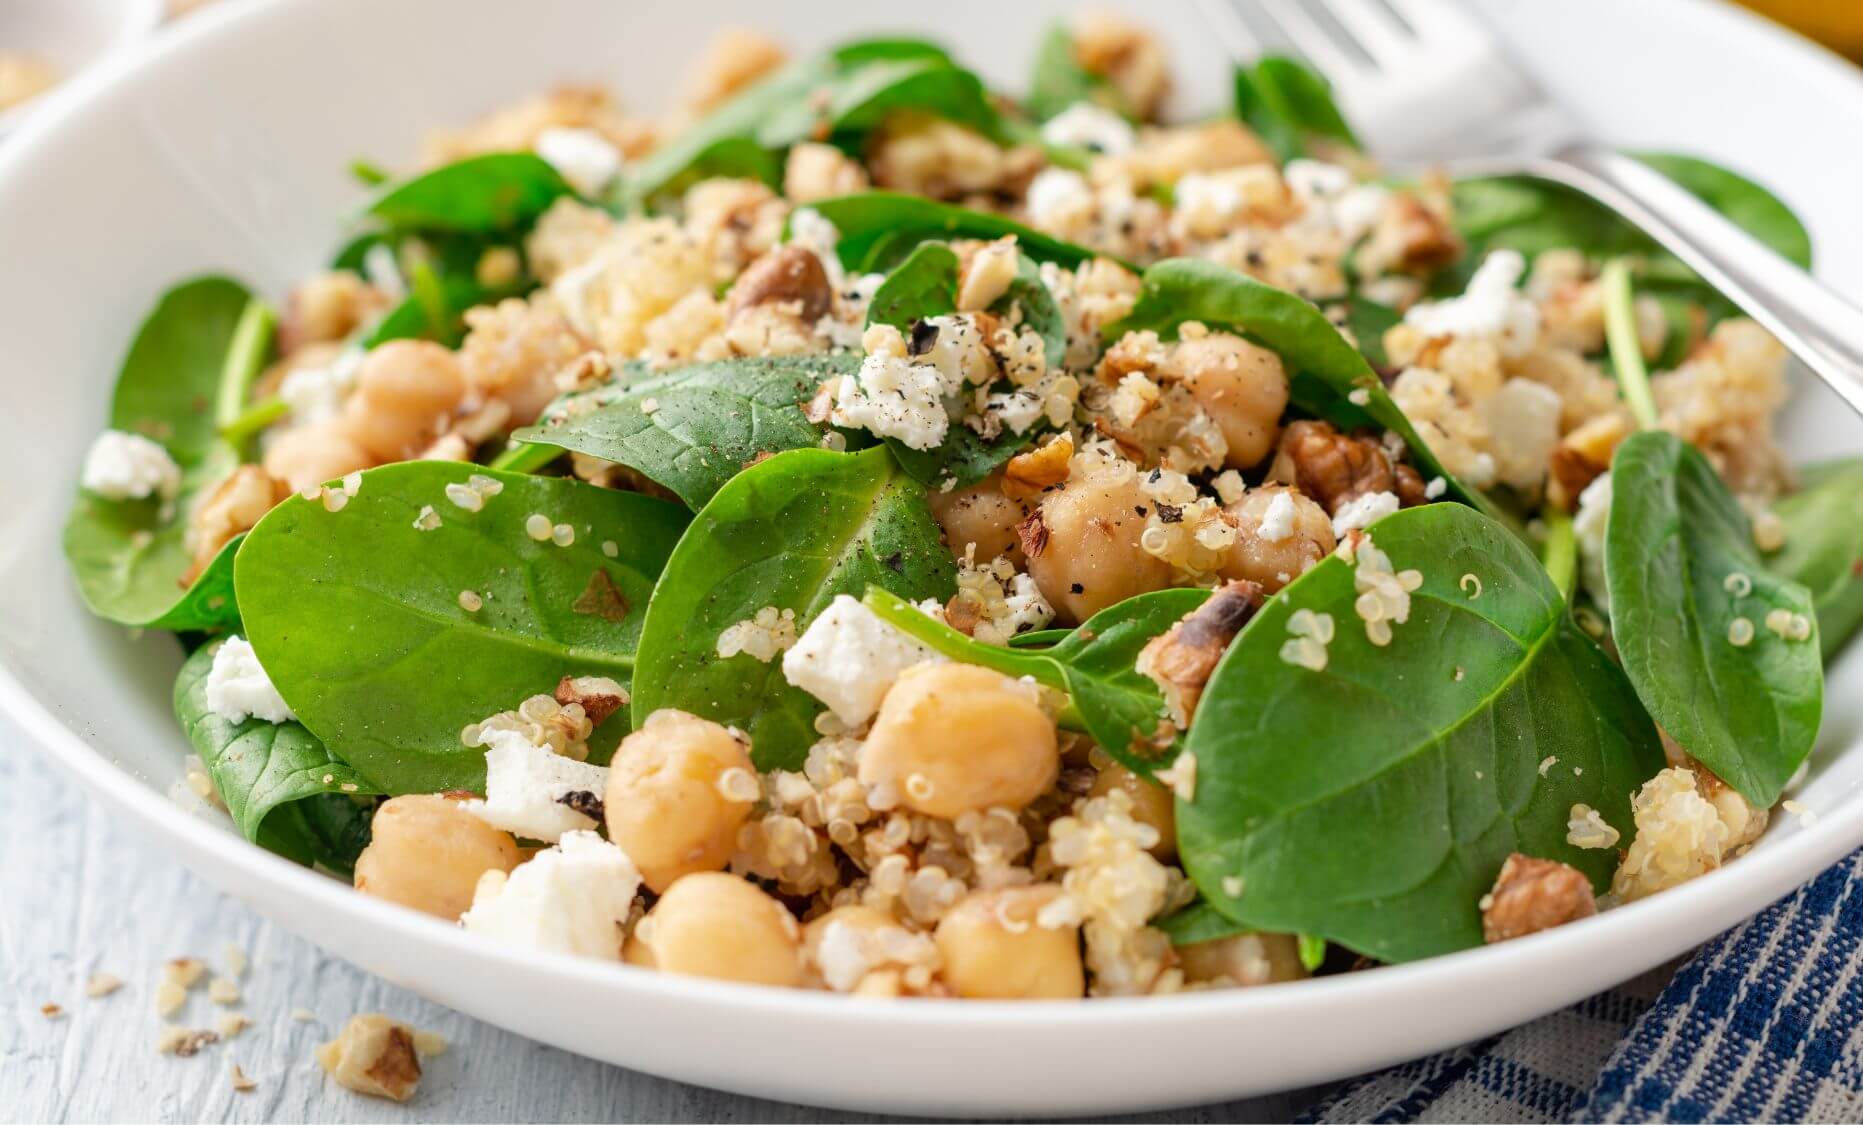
1815, 324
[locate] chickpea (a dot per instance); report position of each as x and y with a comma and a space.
709, 924
952, 738
1092, 556
405, 389
995, 949
427, 852
1242, 387
1151, 804
666, 803
1245, 959
306, 456
982, 515
1276, 563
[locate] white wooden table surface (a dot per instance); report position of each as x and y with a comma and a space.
81, 894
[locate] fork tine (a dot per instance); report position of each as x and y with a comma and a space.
1230, 27
1376, 33
1312, 40
1440, 21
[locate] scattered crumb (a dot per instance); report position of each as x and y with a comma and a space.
169, 997
373, 1055
236, 961
1800, 812
430, 1044
51, 1011
184, 1042
241, 1082
224, 991
231, 1024
303, 1015
1547, 763
185, 971
102, 984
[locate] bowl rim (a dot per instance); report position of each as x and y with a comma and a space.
139, 20
1766, 874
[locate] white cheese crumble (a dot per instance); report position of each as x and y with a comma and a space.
524, 784
1490, 306
1277, 522
1056, 195
810, 229
572, 898
1362, 511
583, 157
896, 398
848, 658
1333, 199
125, 466
238, 688
1085, 125
315, 394
1588, 525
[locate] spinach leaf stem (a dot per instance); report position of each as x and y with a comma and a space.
1620, 330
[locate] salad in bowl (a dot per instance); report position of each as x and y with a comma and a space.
869, 533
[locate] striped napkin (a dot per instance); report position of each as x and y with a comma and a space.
1761, 1024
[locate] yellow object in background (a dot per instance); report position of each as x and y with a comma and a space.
1838, 24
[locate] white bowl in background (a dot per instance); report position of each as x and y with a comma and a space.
224, 147
71, 35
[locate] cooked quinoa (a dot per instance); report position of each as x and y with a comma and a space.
950, 824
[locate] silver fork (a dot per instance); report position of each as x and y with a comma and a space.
1436, 90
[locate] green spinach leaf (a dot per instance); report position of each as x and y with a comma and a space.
1199, 922
880, 228
842, 93
1182, 289
1683, 574
923, 285
282, 787
1371, 802
1824, 547
792, 532
357, 615
190, 364
493, 192
694, 428
1123, 710
1288, 105
1060, 81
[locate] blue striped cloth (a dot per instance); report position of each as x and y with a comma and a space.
1761, 1024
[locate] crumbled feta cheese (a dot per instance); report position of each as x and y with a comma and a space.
572, 898
125, 466
1057, 195
525, 784
1208, 199
1028, 610
1334, 200
1277, 523
812, 230
1588, 525
1523, 421
1017, 410
1435, 488
315, 394
848, 658
1491, 306
238, 688
1359, 512
1312, 180
1085, 125
572, 289
583, 157
893, 397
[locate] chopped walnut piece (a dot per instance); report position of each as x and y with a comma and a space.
599, 696
373, 1055
1033, 533
1583, 455
1029, 474
1531, 895
1410, 237
787, 273
1336, 469
51, 1011
102, 984
232, 508
1181, 660
241, 1082
184, 1042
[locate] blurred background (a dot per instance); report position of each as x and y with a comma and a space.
43, 41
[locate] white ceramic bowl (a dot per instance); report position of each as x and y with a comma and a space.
71, 35
224, 147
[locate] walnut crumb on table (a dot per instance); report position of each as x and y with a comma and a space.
52, 1011
377, 1056
102, 984
241, 1082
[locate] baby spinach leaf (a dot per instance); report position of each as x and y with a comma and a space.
1060, 81
842, 93
1373, 801
1824, 547
923, 285
879, 228
791, 532
493, 192
695, 427
1288, 104
1182, 289
965, 458
1683, 573
190, 362
356, 614
272, 775
1198, 922
1123, 710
